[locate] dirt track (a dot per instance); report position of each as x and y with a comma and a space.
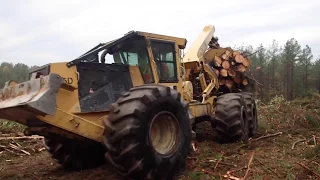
287, 155
39, 165
273, 159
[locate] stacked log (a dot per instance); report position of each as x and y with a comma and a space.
229, 65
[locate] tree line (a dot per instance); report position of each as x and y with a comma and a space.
290, 70
18, 72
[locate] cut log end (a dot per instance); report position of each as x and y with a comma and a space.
217, 72
226, 65
232, 72
224, 72
239, 58
241, 68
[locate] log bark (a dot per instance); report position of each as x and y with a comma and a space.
211, 53
229, 83
228, 53
241, 68
218, 60
222, 81
236, 53
225, 56
237, 79
246, 62
232, 72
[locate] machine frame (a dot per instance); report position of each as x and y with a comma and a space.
71, 118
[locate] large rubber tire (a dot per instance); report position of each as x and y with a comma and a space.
252, 113
127, 136
75, 154
231, 118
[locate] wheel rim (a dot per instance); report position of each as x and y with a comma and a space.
164, 133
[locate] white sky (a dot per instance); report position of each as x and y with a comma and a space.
37, 32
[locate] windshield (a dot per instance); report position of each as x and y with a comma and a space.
134, 52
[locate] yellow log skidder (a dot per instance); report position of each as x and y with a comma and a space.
137, 113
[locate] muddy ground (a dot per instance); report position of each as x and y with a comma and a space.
291, 152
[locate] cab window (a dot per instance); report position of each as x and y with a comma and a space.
164, 56
135, 53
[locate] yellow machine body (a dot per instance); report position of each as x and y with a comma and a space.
50, 101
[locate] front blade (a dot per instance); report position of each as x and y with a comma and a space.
37, 96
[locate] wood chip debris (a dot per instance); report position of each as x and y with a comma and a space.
14, 149
17, 149
194, 147
21, 137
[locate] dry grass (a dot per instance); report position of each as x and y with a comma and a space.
275, 157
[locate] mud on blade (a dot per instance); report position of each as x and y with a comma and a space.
30, 98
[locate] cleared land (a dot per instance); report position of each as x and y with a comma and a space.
287, 147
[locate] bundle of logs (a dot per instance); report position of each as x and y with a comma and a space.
229, 65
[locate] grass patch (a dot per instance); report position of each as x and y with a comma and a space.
312, 121
10, 127
311, 153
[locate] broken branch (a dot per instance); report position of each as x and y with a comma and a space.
254, 80
227, 164
21, 138
215, 167
267, 136
228, 175
222, 163
248, 167
296, 142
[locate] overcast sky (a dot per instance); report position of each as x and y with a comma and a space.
37, 32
